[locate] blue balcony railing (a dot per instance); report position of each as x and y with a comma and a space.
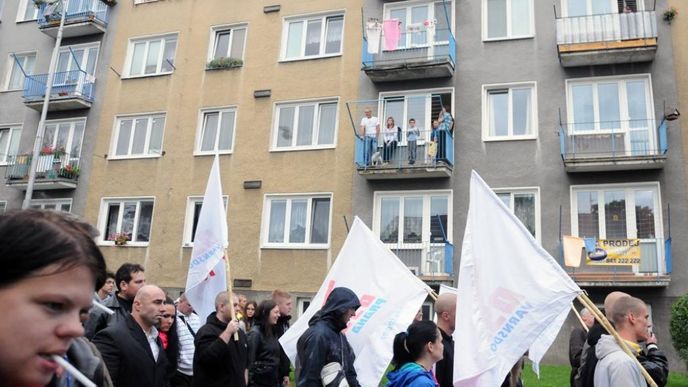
66, 84
432, 148
412, 47
613, 139
77, 12
427, 259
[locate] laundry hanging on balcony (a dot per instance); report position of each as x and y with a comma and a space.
373, 33
392, 32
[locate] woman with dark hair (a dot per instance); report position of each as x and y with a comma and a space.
250, 318
263, 347
167, 330
50, 269
415, 353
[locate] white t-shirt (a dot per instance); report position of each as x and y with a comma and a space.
370, 125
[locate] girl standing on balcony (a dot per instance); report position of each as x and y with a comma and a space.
390, 136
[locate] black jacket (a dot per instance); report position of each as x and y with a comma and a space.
264, 355
444, 369
576, 343
323, 342
98, 319
128, 355
217, 363
281, 327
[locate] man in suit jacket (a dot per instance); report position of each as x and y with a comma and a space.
131, 348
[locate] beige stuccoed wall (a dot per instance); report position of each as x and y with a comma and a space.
679, 34
178, 174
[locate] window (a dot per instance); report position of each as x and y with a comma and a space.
131, 217
216, 132
138, 136
64, 205
312, 37
75, 58
423, 106
413, 15
9, 143
193, 212
151, 56
302, 304
228, 42
27, 11
3, 206
297, 221
305, 125
17, 65
509, 112
525, 204
573, 8
507, 19
413, 217
65, 136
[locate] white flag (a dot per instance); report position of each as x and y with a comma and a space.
390, 297
207, 273
512, 292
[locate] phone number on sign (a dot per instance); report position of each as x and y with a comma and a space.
627, 261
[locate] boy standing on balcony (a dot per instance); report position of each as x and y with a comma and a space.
412, 135
369, 130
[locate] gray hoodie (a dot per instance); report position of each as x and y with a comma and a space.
614, 367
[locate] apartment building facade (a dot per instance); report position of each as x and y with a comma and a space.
565, 114
27, 37
263, 86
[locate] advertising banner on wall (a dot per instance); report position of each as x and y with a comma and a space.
615, 252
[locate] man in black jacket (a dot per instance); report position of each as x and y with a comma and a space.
324, 343
445, 308
577, 342
219, 359
284, 303
131, 348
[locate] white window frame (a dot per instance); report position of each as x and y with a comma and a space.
103, 213
486, 111
22, 7
191, 202
408, 5
137, 2
15, 130
11, 63
214, 30
84, 60
316, 124
525, 190
56, 202
130, 54
509, 23
265, 228
323, 34
115, 136
425, 233
71, 138
199, 132
300, 301
613, 3
631, 227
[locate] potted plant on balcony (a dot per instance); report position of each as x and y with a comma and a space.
47, 150
69, 172
224, 63
120, 238
670, 14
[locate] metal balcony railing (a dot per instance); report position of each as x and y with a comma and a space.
57, 165
606, 27
77, 11
631, 138
425, 45
76, 83
398, 150
426, 259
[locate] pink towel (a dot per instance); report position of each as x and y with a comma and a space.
392, 33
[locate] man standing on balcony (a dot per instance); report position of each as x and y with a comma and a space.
369, 130
412, 135
446, 125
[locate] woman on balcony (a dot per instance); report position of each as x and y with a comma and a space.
390, 135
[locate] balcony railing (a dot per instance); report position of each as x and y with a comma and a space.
426, 259
55, 170
77, 12
428, 53
654, 268
66, 85
627, 142
396, 151
607, 27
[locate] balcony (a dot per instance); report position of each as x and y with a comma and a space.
607, 38
613, 145
654, 269
71, 90
430, 261
420, 55
53, 171
84, 17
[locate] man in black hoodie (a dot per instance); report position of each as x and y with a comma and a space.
324, 343
219, 360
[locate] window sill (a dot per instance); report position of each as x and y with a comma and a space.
487, 40
135, 157
295, 247
201, 154
298, 149
128, 244
11, 90
223, 68
146, 75
26, 21
300, 59
519, 138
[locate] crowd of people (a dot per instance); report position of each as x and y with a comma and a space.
120, 331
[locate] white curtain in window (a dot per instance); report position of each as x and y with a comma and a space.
210, 124
413, 219
389, 220
313, 34
297, 222
522, 111
278, 211
327, 123
333, 40
285, 126
304, 133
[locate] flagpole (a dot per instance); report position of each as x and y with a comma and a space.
580, 319
432, 294
230, 294
583, 298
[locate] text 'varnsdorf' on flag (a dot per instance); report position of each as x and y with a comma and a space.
390, 296
513, 293
207, 274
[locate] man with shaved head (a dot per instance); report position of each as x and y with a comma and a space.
445, 308
131, 347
